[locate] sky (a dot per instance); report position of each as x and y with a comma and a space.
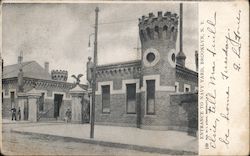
59, 33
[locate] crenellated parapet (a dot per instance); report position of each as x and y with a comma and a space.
163, 27
59, 75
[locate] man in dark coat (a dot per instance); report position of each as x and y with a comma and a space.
13, 111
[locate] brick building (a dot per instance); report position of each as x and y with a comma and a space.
53, 87
155, 92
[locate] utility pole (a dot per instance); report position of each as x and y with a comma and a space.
94, 76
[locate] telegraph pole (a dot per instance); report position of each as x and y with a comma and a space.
94, 76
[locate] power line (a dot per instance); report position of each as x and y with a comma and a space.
116, 22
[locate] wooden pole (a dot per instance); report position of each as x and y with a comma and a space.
94, 76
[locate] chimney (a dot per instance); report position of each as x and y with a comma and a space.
196, 60
46, 66
159, 13
180, 58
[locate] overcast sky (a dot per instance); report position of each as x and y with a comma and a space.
59, 33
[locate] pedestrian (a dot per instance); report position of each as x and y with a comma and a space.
13, 112
19, 113
68, 115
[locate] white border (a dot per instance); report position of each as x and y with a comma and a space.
120, 91
171, 52
158, 87
155, 61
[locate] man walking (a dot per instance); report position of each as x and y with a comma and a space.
13, 112
68, 115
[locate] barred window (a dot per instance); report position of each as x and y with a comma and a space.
150, 96
106, 99
131, 98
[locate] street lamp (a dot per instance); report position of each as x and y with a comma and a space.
89, 45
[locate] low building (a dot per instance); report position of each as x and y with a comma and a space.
55, 98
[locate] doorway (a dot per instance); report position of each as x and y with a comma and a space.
26, 110
57, 104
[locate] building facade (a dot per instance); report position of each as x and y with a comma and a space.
150, 93
53, 89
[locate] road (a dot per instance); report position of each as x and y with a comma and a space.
21, 144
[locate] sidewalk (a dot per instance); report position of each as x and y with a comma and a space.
9, 121
171, 142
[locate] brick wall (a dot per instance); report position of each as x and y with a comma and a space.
184, 78
162, 108
118, 115
6, 107
185, 111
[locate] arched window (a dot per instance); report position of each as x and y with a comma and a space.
148, 33
142, 35
156, 34
165, 29
172, 29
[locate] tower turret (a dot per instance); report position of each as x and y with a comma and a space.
59, 75
158, 35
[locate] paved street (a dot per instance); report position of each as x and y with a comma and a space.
20, 144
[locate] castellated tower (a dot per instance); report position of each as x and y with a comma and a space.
158, 35
59, 75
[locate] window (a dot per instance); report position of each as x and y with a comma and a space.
150, 96
2, 97
106, 99
173, 57
196, 89
176, 86
187, 88
151, 57
131, 98
41, 103
12, 99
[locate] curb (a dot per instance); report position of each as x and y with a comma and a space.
112, 144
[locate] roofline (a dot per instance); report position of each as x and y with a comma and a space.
186, 70
22, 63
13, 78
119, 64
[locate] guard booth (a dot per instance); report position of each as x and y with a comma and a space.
28, 104
79, 105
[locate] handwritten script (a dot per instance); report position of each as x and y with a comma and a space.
215, 116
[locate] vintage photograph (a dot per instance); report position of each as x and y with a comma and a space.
100, 78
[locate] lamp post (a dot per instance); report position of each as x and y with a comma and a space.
89, 39
92, 122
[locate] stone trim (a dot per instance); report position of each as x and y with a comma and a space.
156, 60
120, 91
158, 87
